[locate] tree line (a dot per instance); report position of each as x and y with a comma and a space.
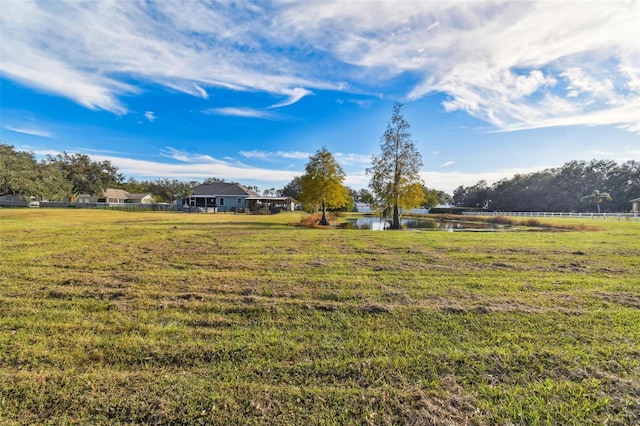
580, 186
65, 176
395, 179
395, 183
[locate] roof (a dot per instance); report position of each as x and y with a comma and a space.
136, 196
271, 198
223, 189
635, 200
122, 194
116, 193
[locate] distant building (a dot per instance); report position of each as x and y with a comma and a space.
116, 196
225, 197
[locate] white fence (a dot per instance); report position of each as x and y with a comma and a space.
604, 216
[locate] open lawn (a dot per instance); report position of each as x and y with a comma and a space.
111, 317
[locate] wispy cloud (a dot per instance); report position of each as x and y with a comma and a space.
242, 112
513, 64
352, 159
149, 115
345, 159
27, 131
447, 163
449, 181
197, 170
186, 157
265, 155
294, 96
203, 93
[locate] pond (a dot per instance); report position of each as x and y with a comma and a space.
374, 223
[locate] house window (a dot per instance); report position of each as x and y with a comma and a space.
222, 201
239, 200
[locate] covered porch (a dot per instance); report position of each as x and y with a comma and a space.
283, 203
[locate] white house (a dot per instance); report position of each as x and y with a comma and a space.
635, 205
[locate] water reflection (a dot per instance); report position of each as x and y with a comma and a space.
378, 224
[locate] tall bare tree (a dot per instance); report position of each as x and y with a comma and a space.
395, 173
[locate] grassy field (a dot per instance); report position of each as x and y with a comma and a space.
168, 318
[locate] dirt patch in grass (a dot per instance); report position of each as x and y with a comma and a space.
313, 220
453, 307
455, 407
628, 300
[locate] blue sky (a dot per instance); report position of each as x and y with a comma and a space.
246, 91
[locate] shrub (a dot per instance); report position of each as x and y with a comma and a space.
313, 220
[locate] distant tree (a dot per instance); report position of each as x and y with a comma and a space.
596, 197
269, 192
293, 189
565, 188
395, 173
85, 175
134, 186
473, 196
365, 196
322, 184
51, 183
214, 180
623, 184
433, 197
444, 198
169, 190
22, 175
18, 171
353, 194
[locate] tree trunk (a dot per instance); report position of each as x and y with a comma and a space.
396, 218
324, 220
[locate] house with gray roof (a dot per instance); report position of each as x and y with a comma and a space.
231, 197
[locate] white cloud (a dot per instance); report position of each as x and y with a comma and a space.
513, 64
265, 155
89, 52
203, 93
602, 153
447, 163
294, 96
149, 115
29, 131
352, 159
504, 62
242, 112
197, 170
186, 157
449, 181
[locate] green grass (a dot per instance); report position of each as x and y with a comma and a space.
166, 318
